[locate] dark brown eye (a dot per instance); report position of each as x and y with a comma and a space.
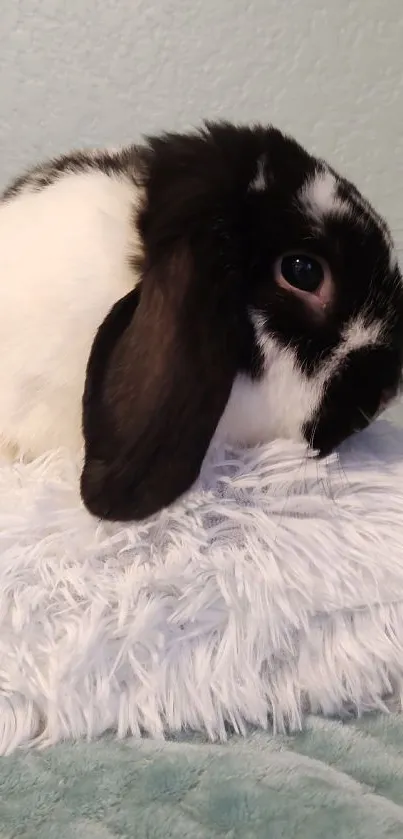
302, 272
307, 277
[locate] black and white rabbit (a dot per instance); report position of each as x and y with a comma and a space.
222, 283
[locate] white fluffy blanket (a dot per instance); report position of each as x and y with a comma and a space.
274, 588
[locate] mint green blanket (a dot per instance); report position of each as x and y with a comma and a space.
343, 781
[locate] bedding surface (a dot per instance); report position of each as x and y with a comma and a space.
337, 779
333, 781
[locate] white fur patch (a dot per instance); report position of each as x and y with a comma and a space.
275, 406
359, 334
259, 181
318, 197
279, 404
64, 262
361, 210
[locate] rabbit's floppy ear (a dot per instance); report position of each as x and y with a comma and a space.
158, 379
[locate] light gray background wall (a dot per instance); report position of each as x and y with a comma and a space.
84, 72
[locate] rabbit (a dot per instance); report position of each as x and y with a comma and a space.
222, 284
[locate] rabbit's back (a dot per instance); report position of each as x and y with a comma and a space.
66, 256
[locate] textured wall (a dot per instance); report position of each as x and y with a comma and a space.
104, 71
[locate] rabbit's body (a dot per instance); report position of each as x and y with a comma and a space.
67, 254
219, 283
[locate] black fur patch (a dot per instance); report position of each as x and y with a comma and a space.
367, 377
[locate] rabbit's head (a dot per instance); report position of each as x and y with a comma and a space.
270, 304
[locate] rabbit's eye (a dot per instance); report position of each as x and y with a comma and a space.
303, 272
307, 277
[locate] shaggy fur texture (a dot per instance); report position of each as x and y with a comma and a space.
275, 587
